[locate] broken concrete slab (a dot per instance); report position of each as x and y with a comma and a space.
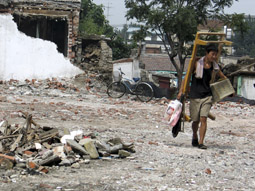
76, 147
102, 145
90, 147
54, 159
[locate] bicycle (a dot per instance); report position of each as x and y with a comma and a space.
119, 87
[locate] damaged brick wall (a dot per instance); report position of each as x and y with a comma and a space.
58, 21
94, 55
40, 15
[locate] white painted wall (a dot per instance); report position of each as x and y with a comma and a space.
131, 69
23, 57
248, 87
228, 60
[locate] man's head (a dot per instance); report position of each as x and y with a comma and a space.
211, 47
211, 52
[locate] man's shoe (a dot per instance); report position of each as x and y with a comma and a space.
202, 146
194, 142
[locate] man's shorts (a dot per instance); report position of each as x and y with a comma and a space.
200, 108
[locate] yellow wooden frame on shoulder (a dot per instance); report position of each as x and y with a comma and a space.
198, 41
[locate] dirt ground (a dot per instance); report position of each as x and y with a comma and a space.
161, 162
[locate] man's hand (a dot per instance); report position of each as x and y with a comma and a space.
179, 95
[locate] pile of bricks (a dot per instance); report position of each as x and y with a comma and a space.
31, 146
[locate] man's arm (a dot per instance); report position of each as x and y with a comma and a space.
181, 88
221, 75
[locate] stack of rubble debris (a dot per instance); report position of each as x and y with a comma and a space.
81, 84
244, 64
30, 146
94, 54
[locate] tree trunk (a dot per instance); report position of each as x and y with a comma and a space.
179, 77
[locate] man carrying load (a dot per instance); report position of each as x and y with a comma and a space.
200, 93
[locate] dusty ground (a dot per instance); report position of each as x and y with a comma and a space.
161, 162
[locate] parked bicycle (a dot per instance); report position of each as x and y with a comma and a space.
120, 86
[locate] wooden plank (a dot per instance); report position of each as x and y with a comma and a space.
9, 136
16, 143
24, 115
50, 133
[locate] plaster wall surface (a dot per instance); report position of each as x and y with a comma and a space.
23, 57
248, 87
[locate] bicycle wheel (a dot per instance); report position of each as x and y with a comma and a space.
144, 92
116, 90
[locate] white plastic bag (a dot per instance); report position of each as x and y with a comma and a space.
173, 112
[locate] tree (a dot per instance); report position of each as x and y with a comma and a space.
244, 43
119, 48
93, 21
175, 22
236, 22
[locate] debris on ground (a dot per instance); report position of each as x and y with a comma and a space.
31, 146
159, 163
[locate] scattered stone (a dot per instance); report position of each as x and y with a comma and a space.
65, 162
123, 154
5, 163
76, 165
208, 171
54, 159
76, 146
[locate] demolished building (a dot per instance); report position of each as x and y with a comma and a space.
242, 75
53, 20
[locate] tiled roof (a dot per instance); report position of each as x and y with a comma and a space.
160, 62
124, 60
212, 24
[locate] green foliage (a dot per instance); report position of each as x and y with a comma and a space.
175, 21
123, 32
88, 26
92, 19
119, 48
244, 43
236, 22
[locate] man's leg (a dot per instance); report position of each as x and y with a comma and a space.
195, 129
205, 108
195, 137
202, 129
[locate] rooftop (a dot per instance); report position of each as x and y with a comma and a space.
160, 62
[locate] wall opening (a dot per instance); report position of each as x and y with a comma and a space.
46, 28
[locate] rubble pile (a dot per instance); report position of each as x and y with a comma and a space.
31, 147
159, 157
242, 63
91, 56
95, 55
80, 84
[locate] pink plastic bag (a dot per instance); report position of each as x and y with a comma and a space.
173, 112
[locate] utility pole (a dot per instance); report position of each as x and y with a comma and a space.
108, 11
